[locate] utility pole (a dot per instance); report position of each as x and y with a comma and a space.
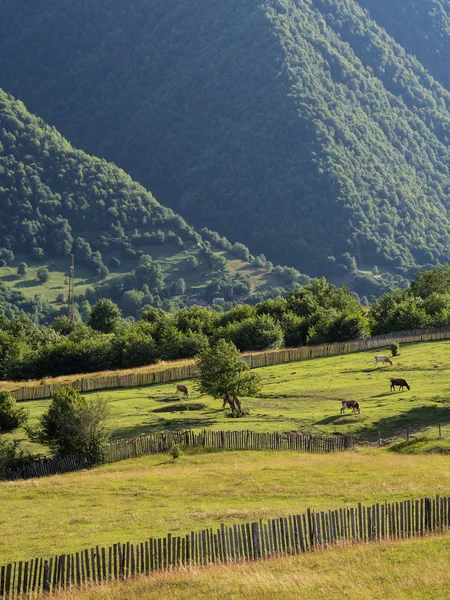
71, 294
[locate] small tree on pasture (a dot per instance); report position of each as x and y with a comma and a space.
223, 374
11, 415
22, 269
43, 274
72, 425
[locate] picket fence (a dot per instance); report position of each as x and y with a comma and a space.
162, 442
249, 541
274, 357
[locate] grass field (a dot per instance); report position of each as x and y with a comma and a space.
303, 396
408, 570
150, 496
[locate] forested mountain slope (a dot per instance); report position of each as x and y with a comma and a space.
300, 127
422, 27
56, 200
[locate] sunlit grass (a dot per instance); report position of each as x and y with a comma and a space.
150, 496
407, 570
303, 396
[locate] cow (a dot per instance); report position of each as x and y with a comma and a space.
353, 404
400, 382
183, 389
383, 359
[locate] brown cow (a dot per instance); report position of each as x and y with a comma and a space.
183, 389
353, 404
400, 382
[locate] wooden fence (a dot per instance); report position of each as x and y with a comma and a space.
257, 540
274, 357
162, 442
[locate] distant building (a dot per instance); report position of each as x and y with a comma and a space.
217, 300
195, 302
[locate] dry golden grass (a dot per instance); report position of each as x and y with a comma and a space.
409, 570
13, 385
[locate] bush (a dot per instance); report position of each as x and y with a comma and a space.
175, 452
395, 348
12, 459
73, 425
22, 269
11, 416
43, 274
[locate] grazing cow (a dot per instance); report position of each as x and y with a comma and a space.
400, 382
383, 359
353, 404
183, 389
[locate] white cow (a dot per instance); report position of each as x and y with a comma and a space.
383, 359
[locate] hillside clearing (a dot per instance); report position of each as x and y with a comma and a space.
152, 495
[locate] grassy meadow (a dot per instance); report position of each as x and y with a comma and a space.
407, 570
152, 495
303, 396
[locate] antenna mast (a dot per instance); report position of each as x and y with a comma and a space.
71, 295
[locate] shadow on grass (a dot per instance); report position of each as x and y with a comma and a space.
416, 418
385, 395
180, 407
28, 284
331, 419
162, 424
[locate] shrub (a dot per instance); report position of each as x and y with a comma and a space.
43, 275
72, 425
13, 459
395, 348
22, 269
175, 452
11, 416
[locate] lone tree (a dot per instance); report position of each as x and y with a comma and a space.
72, 425
223, 374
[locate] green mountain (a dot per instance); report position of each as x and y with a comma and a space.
56, 200
315, 131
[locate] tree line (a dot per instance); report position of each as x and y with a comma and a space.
315, 313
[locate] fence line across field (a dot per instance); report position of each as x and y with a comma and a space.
249, 541
273, 357
154, 443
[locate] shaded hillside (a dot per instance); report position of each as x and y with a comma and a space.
56, 200
422, 27
298, 127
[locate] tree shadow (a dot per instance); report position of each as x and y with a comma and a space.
175, 424
27, 284
417, 418
11, 277
386, 394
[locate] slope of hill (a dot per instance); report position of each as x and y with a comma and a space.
56, 200
427, 31
297, 126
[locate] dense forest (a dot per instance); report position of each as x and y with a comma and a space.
56, 200
315, 313
314, 131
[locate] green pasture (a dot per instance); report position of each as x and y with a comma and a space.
152, 495
303, 396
